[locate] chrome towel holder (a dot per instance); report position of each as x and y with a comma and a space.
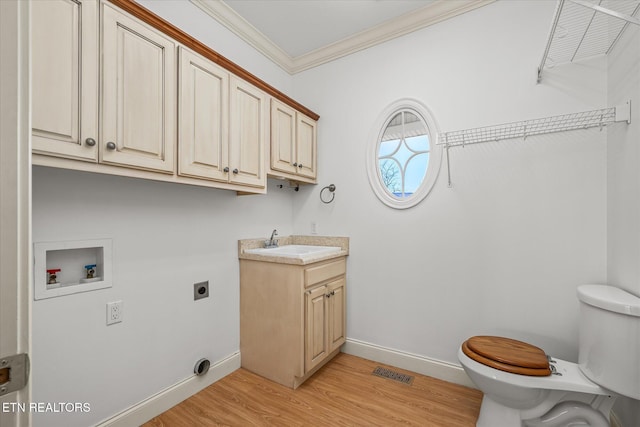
332, 189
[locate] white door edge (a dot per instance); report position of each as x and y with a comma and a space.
15, 199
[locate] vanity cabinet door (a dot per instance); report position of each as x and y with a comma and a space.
248, 132
138, 94
64, 47
316, 334
203, 117
336, 317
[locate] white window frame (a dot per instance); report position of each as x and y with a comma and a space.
373, 147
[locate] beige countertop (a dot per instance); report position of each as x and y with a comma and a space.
342, 242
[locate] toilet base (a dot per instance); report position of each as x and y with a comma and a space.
493, 414
567, 412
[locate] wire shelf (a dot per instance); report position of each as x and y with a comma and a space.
523, 129
585, 28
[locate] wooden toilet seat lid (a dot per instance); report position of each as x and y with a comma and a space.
508, 355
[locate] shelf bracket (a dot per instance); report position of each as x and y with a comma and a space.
623, 112
554, 25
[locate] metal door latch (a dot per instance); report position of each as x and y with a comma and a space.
14, 373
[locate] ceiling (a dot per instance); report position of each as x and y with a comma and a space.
298, 35
300, 27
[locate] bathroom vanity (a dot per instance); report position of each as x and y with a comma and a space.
292, 306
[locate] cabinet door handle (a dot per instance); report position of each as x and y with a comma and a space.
226, 169
90, 142
295, 164
327, 295
333, 293
235, 171
300, 165
111, 145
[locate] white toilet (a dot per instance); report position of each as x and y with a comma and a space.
561, 393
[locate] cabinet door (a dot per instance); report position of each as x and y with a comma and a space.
138, 94
203, 117
249, 123
316, 345
306, 135
65, 78
283, 137
336, 316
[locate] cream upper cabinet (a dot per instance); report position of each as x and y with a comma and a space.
306, 134
293, 142
223, 124
203, 114
248, 133
64, 44
138, 94
283, 137
131, 95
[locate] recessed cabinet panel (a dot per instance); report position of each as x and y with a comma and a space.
337, 314
138, 95
306, 153
283, 137
203, 118
64, 78
316, 328
248, 133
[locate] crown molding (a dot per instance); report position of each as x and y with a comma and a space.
228, 17
433, 13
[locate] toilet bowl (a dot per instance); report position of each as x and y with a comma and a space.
575, 394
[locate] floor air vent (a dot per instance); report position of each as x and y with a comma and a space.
392, 375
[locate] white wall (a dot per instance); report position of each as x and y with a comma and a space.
623, 184
166, 237
501, 252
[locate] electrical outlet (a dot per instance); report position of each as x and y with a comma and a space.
314, 227
114, 312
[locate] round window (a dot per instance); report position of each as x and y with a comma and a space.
403, 160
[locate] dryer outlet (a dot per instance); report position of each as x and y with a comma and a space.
200, 290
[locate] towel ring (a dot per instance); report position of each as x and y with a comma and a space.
332, 189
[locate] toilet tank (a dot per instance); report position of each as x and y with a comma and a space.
609, 352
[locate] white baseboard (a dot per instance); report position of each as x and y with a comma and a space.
412, 362
171, 396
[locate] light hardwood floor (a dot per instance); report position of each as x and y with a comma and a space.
343, 393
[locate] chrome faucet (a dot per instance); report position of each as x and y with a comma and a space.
272, 243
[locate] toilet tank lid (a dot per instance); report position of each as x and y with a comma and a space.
610, 298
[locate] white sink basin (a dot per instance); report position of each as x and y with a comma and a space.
303, 252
